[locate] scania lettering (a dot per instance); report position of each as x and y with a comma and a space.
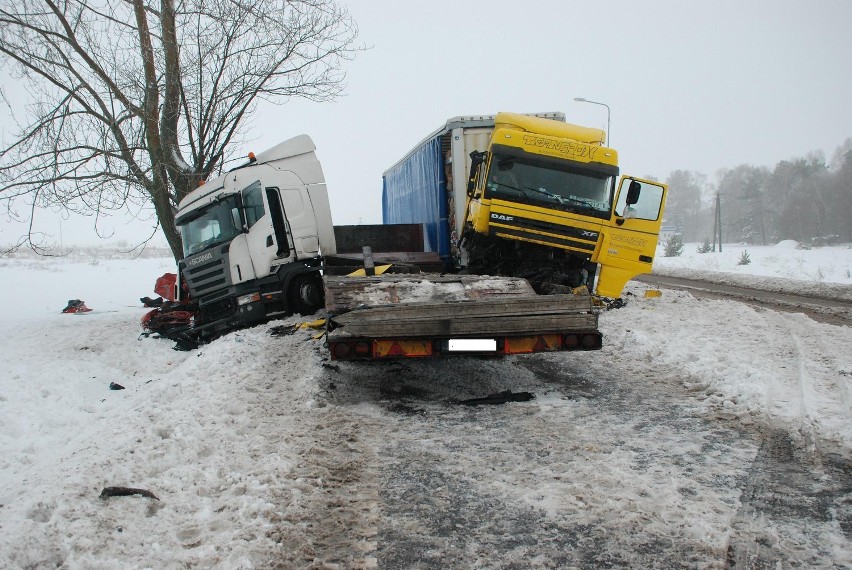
200, 259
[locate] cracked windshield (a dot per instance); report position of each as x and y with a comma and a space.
512, 179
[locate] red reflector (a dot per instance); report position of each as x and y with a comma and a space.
540, 344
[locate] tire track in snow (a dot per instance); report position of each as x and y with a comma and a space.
326, 513
796, 498
334, 501
790, 394
618, 471
829, 308
807, 382
795, 508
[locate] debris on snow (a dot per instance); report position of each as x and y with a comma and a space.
75, 306
126, 492
499, 398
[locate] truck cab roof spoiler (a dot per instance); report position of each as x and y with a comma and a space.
296, 146
470, 121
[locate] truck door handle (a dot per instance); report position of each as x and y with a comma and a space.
268, 241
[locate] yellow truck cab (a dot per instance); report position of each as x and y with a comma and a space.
544, 202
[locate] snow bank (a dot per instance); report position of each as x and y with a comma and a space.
787, 260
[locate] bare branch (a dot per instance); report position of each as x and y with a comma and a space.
132, 102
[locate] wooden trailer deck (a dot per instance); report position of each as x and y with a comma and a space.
436, 309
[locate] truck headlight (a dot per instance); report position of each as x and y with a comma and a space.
246, 299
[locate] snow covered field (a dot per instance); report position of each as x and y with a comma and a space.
784, 267
228, 436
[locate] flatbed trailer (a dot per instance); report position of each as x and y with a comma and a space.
394, 316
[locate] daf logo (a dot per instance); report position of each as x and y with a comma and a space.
502, 218
200, 259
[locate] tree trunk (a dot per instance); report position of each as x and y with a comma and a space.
166, 215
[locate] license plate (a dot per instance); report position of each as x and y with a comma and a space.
472, 345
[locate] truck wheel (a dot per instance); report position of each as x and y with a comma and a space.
306, 294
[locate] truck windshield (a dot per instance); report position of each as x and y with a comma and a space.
556, 186
217, 223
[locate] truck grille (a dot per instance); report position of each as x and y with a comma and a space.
206, 279
558, 235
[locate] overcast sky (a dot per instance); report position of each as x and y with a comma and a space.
697, 86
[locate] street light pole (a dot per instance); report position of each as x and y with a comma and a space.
608, 137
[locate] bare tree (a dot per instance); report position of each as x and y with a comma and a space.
133, 102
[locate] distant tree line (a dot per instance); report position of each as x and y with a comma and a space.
805, 199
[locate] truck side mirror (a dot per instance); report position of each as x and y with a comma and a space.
633, 192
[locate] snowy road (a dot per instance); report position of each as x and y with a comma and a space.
706, 434
610, 466
824, 304
622, 460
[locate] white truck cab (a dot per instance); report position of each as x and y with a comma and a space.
253, 238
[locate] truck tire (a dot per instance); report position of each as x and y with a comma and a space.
306, 294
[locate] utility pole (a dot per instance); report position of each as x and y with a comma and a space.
717, 223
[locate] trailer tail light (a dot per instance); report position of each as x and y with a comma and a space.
418, 348
571, 341
583, 341
341, 351
591, 341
